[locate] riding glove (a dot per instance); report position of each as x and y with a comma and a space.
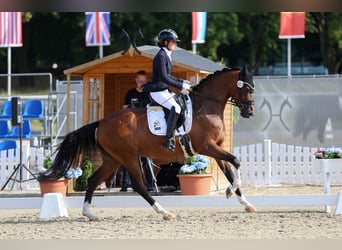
186, 87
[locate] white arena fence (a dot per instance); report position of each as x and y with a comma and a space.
32, 158
262, 164
270, 163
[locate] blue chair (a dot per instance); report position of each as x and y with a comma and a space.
15, 133
8, 144
34, 109
7, 110
4, 129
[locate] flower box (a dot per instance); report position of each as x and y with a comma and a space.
328, 165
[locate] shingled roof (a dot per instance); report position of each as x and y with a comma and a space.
180, 57
183, 57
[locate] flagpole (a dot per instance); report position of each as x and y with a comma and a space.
289, 57
194, 48
9, 70
100, 51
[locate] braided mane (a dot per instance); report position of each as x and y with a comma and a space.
204, 80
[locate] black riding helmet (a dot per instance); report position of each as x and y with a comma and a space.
167, 34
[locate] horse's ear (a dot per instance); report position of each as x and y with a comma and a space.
253, 69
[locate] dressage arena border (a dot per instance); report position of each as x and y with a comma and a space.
326, 200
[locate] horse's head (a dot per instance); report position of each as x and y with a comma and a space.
245, 89
239, 91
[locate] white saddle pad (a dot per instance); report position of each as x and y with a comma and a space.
157, 123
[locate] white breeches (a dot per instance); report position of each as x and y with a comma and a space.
165, 98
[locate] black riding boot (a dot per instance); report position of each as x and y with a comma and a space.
169, 141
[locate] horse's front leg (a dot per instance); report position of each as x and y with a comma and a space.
231, 177
232, 174
228, 172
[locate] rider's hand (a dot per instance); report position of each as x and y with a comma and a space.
186, 87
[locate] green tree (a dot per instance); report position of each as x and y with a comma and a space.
238, 39
256, 40
328, 27
222, 29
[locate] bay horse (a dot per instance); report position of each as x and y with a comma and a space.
123, 136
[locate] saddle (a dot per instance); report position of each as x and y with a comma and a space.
157, 116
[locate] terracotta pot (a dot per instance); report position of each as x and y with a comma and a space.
53, 186
195, 184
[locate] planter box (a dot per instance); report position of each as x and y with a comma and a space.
328, 165
195, 184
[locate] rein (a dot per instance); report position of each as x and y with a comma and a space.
229, 101
214, 99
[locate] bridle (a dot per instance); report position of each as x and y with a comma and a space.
240, 103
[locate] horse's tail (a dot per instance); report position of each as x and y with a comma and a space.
80, 141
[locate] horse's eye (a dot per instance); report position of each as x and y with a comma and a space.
249, 90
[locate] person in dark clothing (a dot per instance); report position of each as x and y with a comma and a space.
137, 98
162, 80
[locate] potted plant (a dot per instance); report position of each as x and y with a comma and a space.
328, 153
88, 170
57, 185
193, 177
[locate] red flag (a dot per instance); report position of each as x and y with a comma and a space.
292, 25
10, 29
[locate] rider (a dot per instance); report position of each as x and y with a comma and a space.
162, 80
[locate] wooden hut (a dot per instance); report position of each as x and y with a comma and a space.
106, 80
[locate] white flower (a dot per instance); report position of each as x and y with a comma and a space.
196, 165
73, 173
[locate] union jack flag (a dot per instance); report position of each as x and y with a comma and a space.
97, 28
10, 29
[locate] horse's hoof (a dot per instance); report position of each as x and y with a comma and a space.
250, 209
94, 218
169, 216
229, 193
91, 217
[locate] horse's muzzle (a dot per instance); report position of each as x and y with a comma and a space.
247, 111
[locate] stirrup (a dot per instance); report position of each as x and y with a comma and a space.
169, 144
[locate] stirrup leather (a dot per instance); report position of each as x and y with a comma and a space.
169, 143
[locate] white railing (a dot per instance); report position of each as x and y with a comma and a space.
32, 158
264, 163
270, 163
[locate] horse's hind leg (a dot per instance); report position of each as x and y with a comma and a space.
105, 170
156, 206
228, 172
138, 183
